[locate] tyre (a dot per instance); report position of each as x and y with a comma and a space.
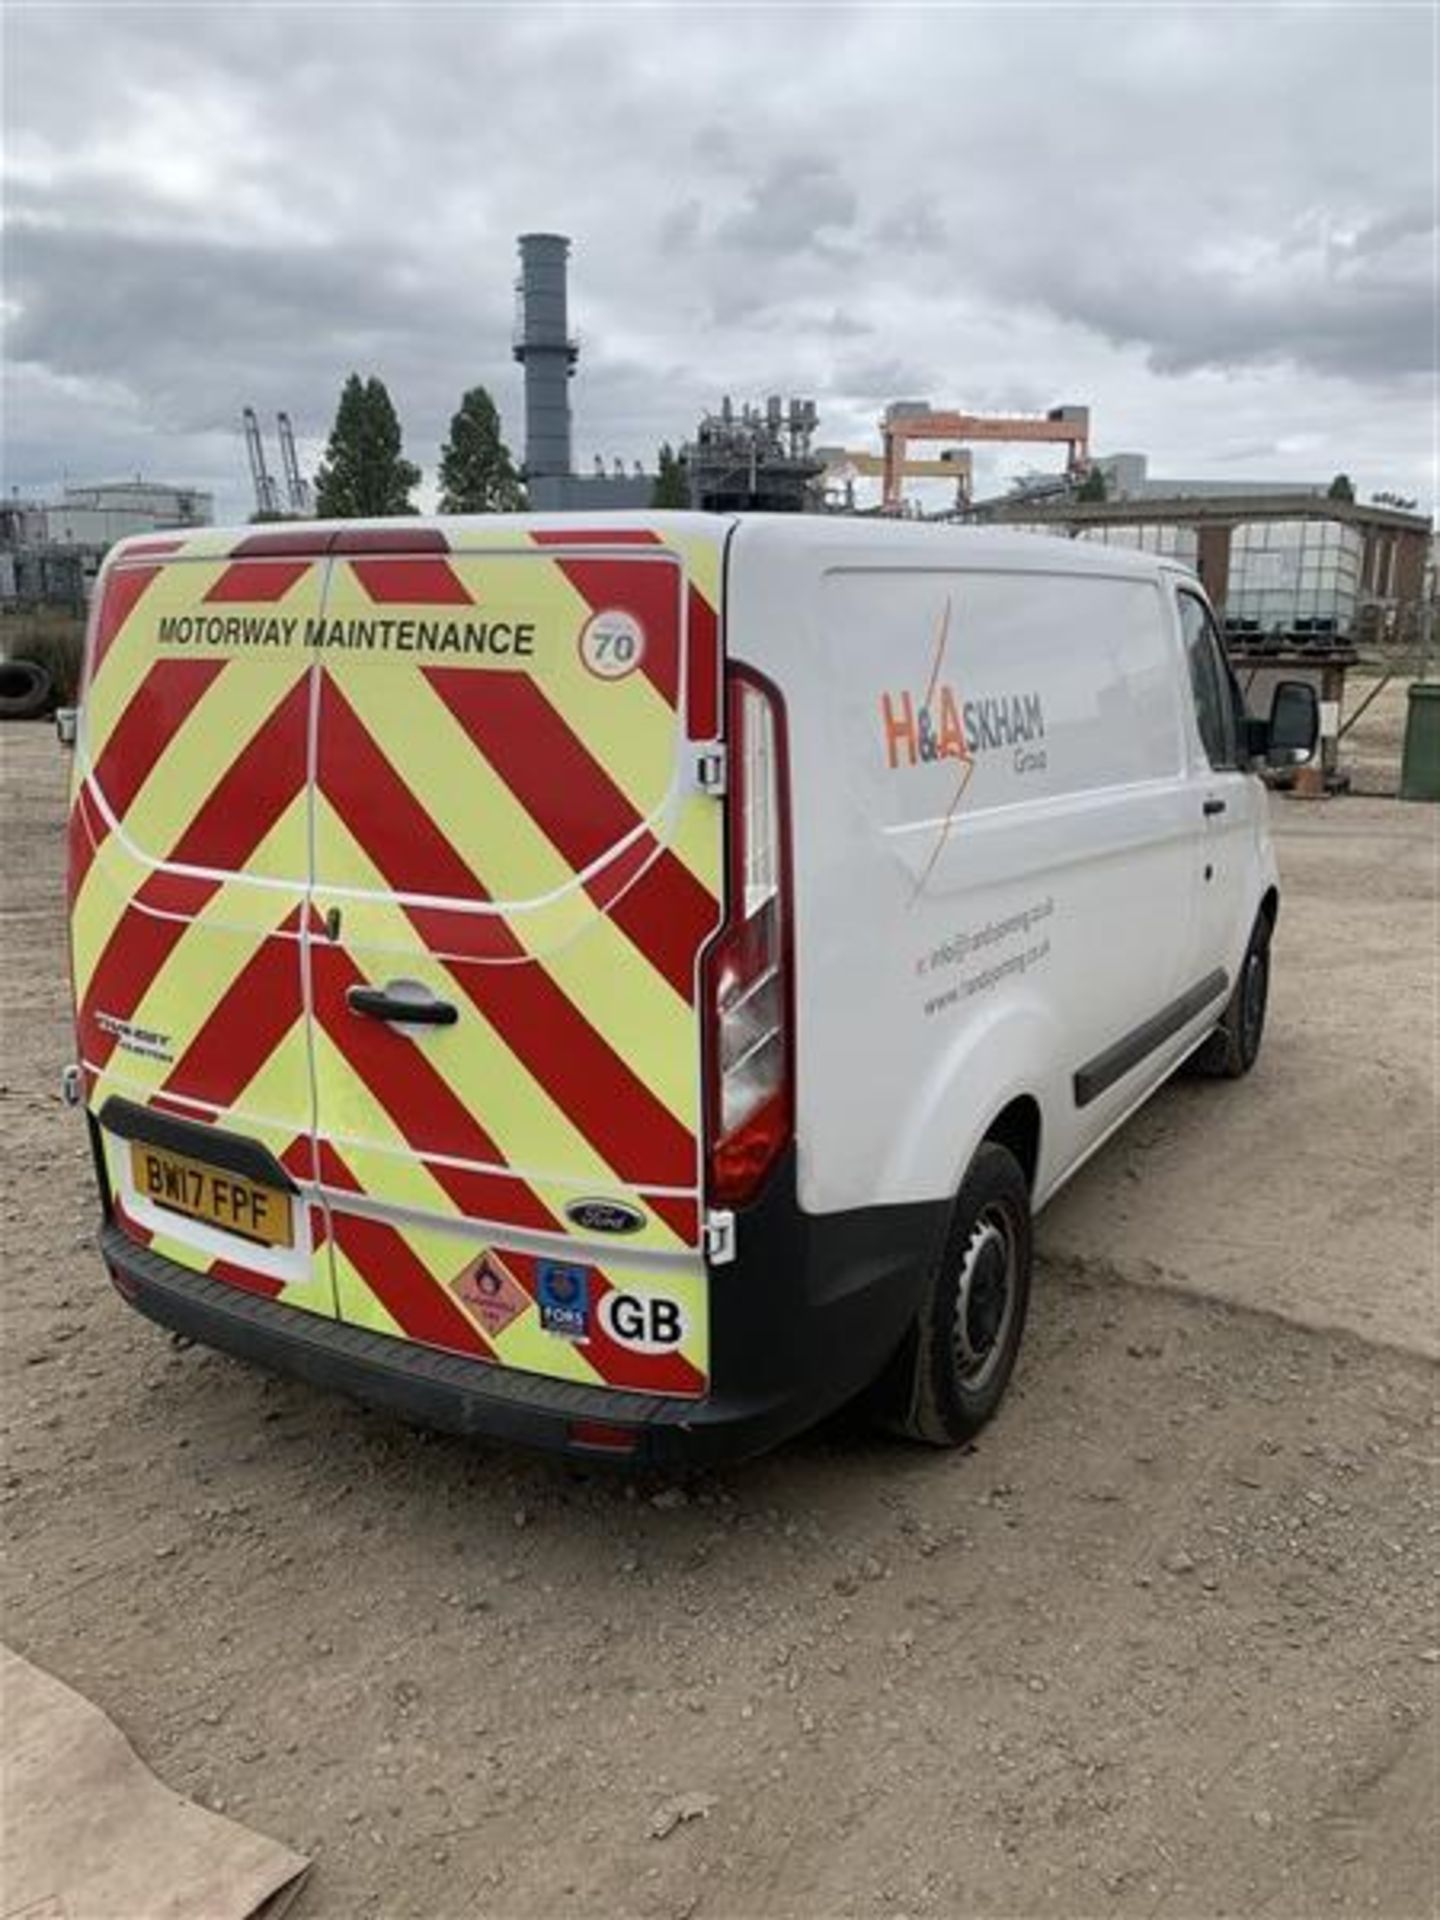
1233, 1047
953, 1371
24, 689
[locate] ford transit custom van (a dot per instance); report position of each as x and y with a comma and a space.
628, 983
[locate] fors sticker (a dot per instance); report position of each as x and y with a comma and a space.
562, 1294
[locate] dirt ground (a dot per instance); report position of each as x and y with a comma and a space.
1310, 1189
1165, 1642
1370, 750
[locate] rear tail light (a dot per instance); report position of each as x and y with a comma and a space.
749, 970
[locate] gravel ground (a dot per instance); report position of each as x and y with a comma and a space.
1165, 1642
1308, 1190
1370, 751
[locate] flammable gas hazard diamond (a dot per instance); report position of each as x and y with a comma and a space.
490, 1293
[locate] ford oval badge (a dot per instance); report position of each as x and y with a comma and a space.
605, 1216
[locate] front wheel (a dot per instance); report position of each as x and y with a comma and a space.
1234, 1046
954, 1369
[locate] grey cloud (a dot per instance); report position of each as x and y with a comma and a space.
840, 325
799, 205
738, 302
1381, 234
680, 228
132, 355
147, 311
1393, 341
716, 147
1246, 450
916, 226
885, 378
1189, 318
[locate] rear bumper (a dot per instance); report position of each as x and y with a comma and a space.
806, 1316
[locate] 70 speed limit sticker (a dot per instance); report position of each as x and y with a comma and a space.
612, 643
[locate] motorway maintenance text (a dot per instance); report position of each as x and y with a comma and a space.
369, 636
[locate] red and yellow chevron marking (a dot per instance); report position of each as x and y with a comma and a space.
440, 794
189, 882
256, 754
403, 1277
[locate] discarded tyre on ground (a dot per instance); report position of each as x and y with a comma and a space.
25, 689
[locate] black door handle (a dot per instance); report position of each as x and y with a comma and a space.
1213, 806
403, 1000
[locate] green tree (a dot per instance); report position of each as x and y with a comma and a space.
364, 472
672, 487
1342, 487
477, 474
1092, 487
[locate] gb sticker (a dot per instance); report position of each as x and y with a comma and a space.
612, 643
643, 1322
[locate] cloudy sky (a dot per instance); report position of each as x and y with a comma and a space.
1215, 225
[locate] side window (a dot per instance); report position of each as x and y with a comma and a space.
1210, 684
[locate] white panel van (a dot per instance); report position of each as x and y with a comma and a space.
628, 983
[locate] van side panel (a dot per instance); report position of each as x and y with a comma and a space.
994, 851
189, 886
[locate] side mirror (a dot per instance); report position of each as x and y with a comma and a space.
66, 725
1294, 728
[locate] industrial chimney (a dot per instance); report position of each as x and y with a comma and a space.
544, 348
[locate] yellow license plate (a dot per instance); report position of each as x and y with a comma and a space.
220, 1199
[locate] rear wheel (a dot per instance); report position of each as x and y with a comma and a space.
1233, 1047
954, 1369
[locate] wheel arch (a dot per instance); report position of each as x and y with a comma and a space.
998, 1080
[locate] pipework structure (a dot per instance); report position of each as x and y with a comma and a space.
755, 460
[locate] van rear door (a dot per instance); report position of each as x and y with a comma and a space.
516, 870
189, 885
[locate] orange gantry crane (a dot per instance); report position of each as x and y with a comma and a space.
907, 421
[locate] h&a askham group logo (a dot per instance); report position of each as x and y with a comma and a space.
940, 725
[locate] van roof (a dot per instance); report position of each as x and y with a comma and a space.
829, 539
840, 539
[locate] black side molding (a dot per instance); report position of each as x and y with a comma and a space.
232, 1152
1097, 1076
